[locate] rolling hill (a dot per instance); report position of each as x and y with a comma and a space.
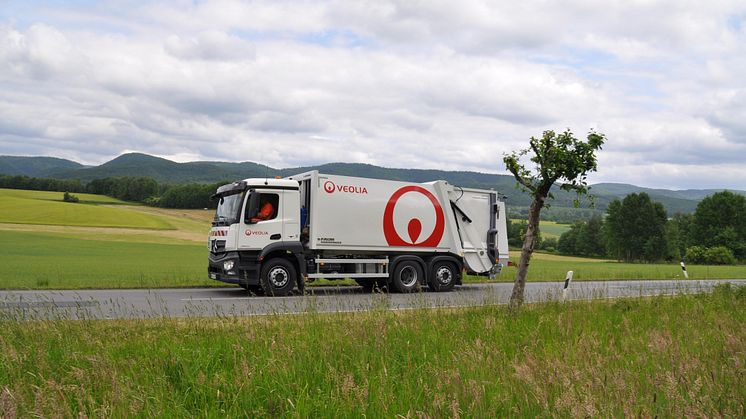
167, 171
35, 166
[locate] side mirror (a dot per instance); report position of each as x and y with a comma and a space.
252, 206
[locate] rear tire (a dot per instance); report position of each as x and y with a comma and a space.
278, 277
407, 276
443, 276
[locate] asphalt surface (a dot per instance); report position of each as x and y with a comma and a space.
208, 302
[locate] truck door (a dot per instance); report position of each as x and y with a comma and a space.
265, 227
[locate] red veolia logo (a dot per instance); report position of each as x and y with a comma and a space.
330, 187
414, 228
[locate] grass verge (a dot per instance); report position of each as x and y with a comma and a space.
550, 267
673, 357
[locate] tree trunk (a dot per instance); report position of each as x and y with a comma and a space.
516, 299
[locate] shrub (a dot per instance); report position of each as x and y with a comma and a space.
695, 254
67, 197
547, 244
718, 255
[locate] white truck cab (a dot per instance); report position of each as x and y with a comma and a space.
277, 234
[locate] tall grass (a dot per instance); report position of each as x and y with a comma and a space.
681, 356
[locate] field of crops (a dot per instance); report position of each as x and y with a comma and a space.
659, 357
552, 229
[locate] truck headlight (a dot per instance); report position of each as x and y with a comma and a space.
228, 265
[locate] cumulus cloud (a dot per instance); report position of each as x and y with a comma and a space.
425, 84
210, 45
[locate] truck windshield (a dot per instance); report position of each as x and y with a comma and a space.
229, 208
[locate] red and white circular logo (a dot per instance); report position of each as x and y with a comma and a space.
247, 232
329, 186
414, 228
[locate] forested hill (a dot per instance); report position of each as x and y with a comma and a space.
35, 166
167, 171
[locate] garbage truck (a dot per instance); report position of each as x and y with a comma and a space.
277, 235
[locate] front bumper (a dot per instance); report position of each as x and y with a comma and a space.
245, 269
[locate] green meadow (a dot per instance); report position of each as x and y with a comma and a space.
47, 208
550, 267
678, 356
105, 243
59, 260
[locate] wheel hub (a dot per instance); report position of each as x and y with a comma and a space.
444, 276
278, 277
408, 276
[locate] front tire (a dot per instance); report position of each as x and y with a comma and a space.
443, 276
407, 276
278, 277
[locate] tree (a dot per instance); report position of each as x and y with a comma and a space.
591, 240
568, 241
720, 220
193, 195
585, 238
556, 158
67, 197
679, 232
636, 229
517, 232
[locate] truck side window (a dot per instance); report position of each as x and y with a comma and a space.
268, 207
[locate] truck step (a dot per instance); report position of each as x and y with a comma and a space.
350, 275
333, 260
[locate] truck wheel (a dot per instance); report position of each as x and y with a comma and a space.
278, 277
407, 276
443, 276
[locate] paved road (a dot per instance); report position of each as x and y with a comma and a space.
199, 302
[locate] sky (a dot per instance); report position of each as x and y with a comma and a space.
409, 84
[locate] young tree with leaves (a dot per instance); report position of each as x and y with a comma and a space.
556, 158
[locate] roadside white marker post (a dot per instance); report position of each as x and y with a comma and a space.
683, 268
568, 279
